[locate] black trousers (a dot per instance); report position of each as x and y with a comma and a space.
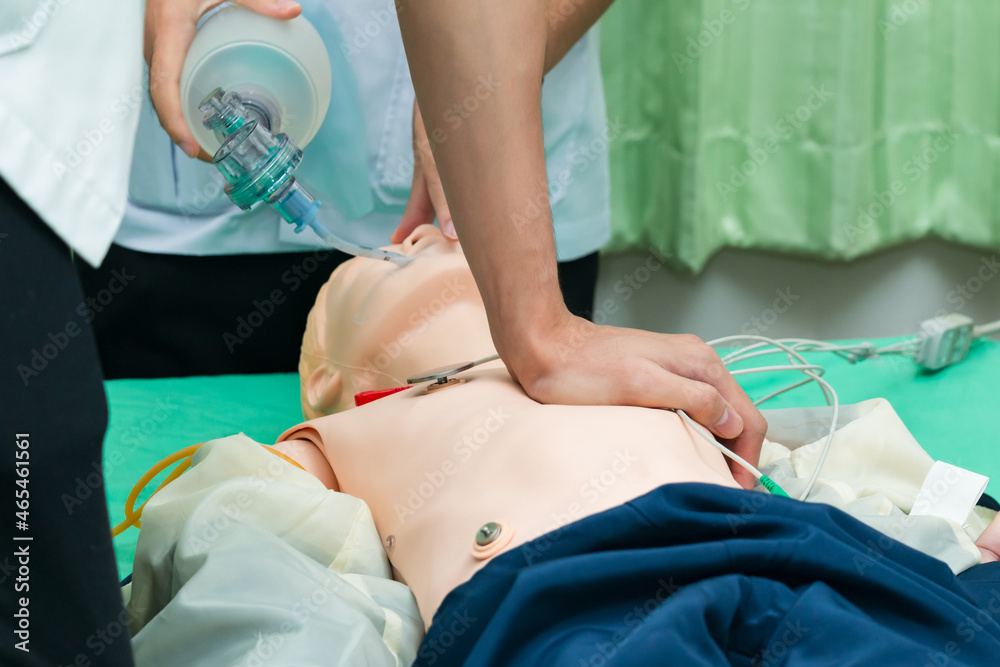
60, 595
161, 315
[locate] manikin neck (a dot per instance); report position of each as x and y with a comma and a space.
457, 334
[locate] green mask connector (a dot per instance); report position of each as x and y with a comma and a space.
258, 165
772, 486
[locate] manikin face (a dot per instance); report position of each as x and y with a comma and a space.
375, 323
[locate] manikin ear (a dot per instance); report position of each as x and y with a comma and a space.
323, 389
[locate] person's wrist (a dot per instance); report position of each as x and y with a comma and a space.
531, 349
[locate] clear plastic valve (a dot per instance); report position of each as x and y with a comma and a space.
224, 113
257, 164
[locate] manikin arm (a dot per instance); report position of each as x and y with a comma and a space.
493, 170
989, 541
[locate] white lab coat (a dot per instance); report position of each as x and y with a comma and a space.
177, 205
69, 107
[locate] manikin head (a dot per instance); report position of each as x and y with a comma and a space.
375, 324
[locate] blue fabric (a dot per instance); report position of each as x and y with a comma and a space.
692, 574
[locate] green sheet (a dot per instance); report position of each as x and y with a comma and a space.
951, 413
150, 419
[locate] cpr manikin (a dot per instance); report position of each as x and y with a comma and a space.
437, 467
459, 474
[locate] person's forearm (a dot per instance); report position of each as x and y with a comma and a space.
568, 21
477, 69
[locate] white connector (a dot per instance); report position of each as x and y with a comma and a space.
944, 341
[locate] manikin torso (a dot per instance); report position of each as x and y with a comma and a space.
435, 467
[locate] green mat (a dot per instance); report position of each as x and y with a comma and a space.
150, 419
950, 413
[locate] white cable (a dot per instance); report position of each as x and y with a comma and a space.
768, 369
722, 448
763, 346
835, 402
792, 347
986, 329
790, 351
865, 349
782, 391
759, 348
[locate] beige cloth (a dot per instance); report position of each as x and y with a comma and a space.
245, 557
873, 472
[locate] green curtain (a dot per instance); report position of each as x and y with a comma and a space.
825, 127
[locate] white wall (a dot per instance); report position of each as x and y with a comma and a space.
886, 294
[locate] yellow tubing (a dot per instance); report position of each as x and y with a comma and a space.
133, 517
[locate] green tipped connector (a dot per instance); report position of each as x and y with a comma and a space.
772, 486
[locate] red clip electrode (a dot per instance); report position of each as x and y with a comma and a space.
369, 396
